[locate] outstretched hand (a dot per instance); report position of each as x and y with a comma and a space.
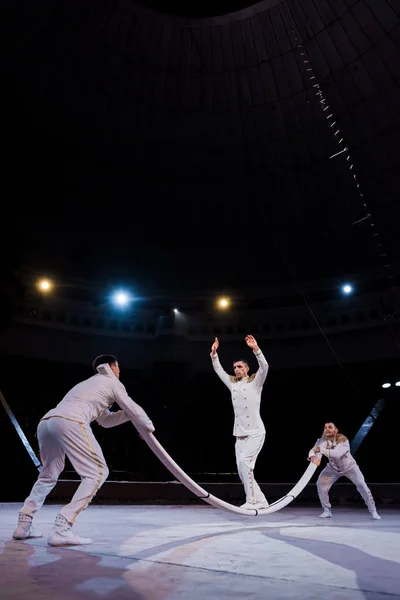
214, 347
251, 342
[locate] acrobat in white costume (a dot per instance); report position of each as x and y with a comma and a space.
65, 431
246, 398
335, 446
248, 427
250, 432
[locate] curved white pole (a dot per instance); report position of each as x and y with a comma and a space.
175, 469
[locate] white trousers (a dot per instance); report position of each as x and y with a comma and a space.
327, 478
247, 449
58, 437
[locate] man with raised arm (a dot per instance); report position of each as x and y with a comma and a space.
248, 427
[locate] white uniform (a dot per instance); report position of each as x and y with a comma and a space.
341, 464
65, 430
248, 427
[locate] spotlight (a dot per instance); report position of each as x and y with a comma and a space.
176, 310
347, 288
44, 285
121, 298
397, 384
386, 385
223, 303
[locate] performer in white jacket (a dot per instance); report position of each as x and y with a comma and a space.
248, 427
65, 431
335, 446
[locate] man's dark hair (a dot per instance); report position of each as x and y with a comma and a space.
103, 359
241, 360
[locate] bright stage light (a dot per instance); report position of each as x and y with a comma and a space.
386, 385
347, 289
44, 285
223, 303
121, 298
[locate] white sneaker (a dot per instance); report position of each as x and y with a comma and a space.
249, 506
63, 536
261, 505
374, 515
327, 514
25, 529
67, 538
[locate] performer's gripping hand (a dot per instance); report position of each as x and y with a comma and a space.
315, 460
251, 342
214, 347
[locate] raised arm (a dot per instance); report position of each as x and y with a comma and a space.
112, 419
224, 377
263, 366
133, 411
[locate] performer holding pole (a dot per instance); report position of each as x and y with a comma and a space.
65, 431
335, 446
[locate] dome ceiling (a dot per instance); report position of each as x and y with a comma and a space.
223, 121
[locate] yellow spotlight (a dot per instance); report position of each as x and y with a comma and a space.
223, 303
44, 285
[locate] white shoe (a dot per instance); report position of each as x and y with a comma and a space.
67, 538
374, 515
249, 506
261, 505
327, 514
63, 536
25, 529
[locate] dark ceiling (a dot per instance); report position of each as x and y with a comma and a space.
196, 9
197, 150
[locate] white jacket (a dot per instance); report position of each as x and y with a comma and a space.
337, 452
91, 399
246, 396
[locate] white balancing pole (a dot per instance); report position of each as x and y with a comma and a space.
198, 491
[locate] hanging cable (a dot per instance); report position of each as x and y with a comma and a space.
344, 150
